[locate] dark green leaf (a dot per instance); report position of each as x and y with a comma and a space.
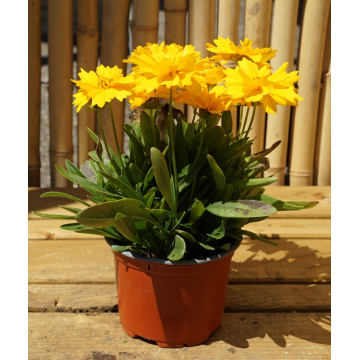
226, 122
162, 177
218, 233
71, 209
256, 236
261, 154
137, 175
228, 191
217, 173
253, 182
186, 236
213, 137
207, 247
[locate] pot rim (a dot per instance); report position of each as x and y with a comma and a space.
211, 258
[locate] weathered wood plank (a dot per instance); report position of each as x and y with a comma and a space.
271, 228
240, 298
242, 335
79, 261
309, 193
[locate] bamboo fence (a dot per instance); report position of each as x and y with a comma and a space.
305, 147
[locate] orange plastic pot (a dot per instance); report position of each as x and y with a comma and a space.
173, 303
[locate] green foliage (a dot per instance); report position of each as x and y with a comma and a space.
137, 206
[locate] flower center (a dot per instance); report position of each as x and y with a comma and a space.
104, 82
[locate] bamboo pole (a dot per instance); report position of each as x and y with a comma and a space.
201, 29
60, 35
257, 29
34, 69
145, 23
175, 26
175, 21
282, 38
114, 48
228, 26
325, 70
324, 173
87, 59
310, 66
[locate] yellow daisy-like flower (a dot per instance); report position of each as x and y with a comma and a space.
225, 49
160, 65
101, 87
248, 84
215, 100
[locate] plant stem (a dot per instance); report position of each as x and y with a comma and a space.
240, 121
193, 119
246, 117
172, 142
252, 119
117, 144
106, 145
198, 154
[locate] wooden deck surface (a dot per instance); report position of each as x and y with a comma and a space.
277, 305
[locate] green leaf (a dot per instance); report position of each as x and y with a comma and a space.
104, 214
228, 191
224, 146
146, 130
71, 209
181, 154
162, 177
261, 154
92, 231
241, 209
213, 137
121, 248
218, 174
235, 150
226, 122
79, 180
235, 223
67, 196
284, 205
253, 182
136, 146
149, 194
122, 186
256, 236
126, 226
218, 233
96, 199
194, 170
186, 236
225, 246
207, 247
52, 216
72, 227
178, 250
196, 211
137, 175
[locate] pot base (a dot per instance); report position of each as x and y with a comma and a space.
170, 344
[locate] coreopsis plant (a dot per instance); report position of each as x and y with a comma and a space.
188, 189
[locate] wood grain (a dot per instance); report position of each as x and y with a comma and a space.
240, 298
242, 335
79, 261
313, 193
275, 228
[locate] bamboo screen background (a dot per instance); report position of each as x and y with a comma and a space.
66, 35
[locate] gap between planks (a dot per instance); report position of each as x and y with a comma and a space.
239, 298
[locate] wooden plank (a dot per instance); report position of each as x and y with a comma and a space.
305, 193
77, 261
275, 228
240, 298
242, 335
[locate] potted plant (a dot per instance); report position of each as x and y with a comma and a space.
174, 211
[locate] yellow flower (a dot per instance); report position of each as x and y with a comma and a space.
101, 87
160, 65
215, 100
225, 49
248, 84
